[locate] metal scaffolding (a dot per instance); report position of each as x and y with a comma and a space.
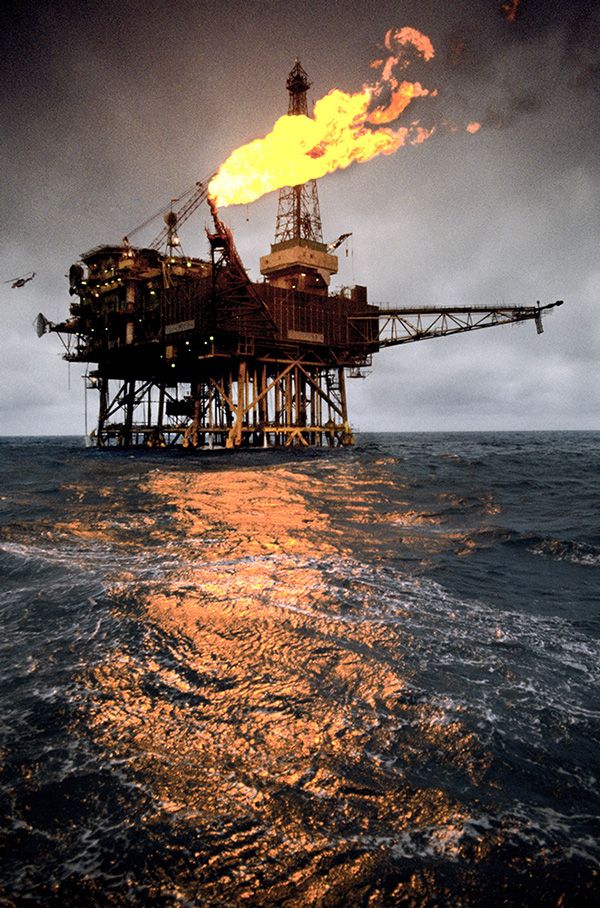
254, 403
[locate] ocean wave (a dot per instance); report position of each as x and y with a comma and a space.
269, 683
570, 551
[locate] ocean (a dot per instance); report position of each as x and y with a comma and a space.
365, 676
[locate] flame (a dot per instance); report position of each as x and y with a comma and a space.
510, 9
344, 129
401, 98
405, 37
473, 127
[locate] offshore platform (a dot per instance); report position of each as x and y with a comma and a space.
193, 352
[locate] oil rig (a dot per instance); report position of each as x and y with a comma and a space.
189, 351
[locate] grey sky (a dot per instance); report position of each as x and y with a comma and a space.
111, 109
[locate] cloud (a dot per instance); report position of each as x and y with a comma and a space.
104, 123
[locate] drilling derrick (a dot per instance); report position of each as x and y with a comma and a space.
298, 215
191, 351
299, 258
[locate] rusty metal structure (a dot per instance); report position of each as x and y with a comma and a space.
298, 213
191, 351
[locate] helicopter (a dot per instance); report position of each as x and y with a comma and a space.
20, 281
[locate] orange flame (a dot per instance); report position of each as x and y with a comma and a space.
473, 127
341, 131
510, 10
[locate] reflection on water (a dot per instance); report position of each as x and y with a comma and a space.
365, 677
275, 711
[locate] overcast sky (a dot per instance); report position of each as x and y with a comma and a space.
110, 109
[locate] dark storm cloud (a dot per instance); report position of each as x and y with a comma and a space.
505, 114
552, 44
111, 109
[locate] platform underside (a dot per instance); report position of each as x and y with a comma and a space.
254, 403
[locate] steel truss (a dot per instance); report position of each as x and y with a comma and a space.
257, 403
407, 325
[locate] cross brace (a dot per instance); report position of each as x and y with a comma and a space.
406, 325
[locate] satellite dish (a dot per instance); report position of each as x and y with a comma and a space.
75, 274
40, 323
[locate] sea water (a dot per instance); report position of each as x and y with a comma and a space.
367, 676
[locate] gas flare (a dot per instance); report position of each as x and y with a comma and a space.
510, 10
344, 128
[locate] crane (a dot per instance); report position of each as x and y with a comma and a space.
334, 245
174, 219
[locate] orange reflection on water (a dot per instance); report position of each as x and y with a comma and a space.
259, 510
264, 708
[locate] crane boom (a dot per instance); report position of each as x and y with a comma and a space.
410, 324
199, 195
241, 303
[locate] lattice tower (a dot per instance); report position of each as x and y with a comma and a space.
298, 214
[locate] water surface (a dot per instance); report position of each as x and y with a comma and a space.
356, 677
